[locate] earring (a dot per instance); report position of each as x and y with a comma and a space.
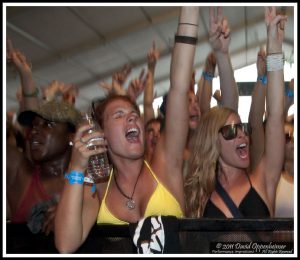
71, 143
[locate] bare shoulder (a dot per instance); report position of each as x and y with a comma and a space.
18, 167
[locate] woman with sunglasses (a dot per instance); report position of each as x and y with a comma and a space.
220, 157
136, 189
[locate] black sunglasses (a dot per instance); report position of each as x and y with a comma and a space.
229, 132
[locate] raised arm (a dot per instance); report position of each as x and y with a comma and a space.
118, 80
29, 90
219, 37
78, 207
152, 58
257, 110
137, 86
274, 143
181, 71
204, 92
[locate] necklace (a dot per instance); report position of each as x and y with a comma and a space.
130, 203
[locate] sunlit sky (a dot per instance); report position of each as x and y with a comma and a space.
246, 74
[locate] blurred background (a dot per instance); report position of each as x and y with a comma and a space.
84, 44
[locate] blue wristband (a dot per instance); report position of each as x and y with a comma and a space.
74, 177
263, 79
207, 76
90, 181
289, 92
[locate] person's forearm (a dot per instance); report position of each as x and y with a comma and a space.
206, 96
148, 97
68, 220
257, 108
29, 92
229, 90
181, 72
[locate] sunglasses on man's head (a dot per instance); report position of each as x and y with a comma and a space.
229, 132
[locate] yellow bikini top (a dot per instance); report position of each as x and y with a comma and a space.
161, 202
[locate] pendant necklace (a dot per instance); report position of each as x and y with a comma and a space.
130, 203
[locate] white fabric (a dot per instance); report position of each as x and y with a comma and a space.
157, 238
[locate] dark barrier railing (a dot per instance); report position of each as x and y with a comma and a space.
196, 236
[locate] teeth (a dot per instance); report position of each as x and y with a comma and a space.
242, 145
132, 130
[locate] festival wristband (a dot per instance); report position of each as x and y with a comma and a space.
90, 181
207, 76
74, 177
263, 79
289, 92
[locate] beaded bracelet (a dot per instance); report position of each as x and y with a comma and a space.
33, 94
186, 39
263, 79
207, 76
275, 61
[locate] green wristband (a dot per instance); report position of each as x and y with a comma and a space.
33, 94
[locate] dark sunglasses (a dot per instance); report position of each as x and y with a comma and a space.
229, 132
289, 137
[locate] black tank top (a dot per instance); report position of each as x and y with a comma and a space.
251, 206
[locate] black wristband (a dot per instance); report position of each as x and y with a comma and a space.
186, 39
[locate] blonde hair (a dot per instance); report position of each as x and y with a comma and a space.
200, 181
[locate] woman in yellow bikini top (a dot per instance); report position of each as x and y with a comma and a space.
123, 129
156, 204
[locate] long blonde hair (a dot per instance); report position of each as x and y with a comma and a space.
200, 181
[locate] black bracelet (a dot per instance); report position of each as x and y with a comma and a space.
186, 39
189, 24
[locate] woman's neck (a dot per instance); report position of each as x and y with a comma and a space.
128, 169
229, 176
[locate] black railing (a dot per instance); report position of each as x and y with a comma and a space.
196, 236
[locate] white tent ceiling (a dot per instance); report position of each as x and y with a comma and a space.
87, 44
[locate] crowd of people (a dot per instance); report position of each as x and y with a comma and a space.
192, 160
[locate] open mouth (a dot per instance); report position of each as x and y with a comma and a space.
132, 134
242, 150
35, 143
194, 118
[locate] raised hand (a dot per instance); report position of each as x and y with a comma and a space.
219, 31
69, 92
106, 86
275, 29
17, 58
50, 91
137, 86
121, 76
210, 63
152, 57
